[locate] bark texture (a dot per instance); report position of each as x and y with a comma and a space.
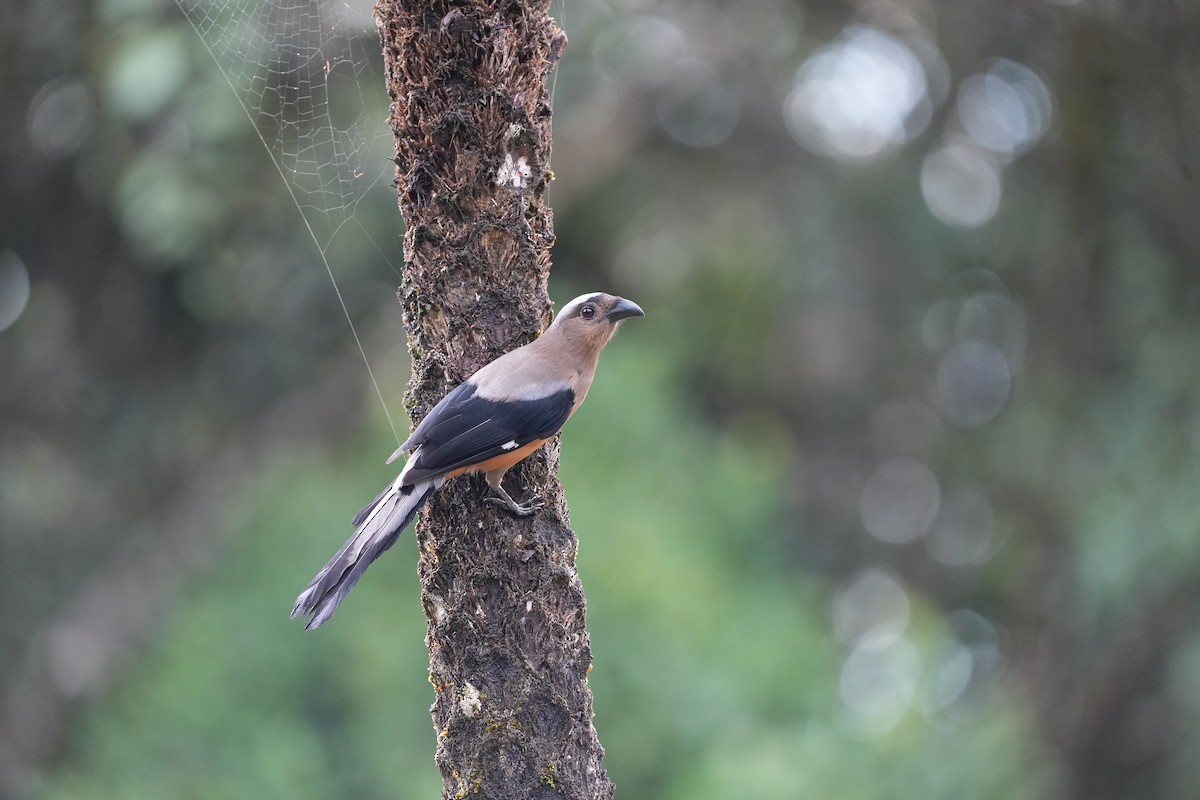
509, 653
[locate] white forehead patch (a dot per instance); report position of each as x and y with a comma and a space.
570, 308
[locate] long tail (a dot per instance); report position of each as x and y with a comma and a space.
378, 527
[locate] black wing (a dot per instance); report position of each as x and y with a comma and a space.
465, 429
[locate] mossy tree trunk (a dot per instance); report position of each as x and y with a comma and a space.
508, 651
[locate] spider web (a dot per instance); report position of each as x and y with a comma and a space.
309, 76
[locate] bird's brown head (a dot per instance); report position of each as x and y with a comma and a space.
591, 319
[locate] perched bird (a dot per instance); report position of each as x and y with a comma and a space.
500, 415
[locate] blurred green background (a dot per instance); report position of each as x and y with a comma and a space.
894, 493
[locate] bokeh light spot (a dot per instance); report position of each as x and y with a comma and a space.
695, 108
961, 185
643, 48
60, 118
162, 210
878, 682
858, 98
1006, 109
973, 382
965, 529
947, 678
996, 318
899, 501
937, 329
14, 288
873, 604
147, 71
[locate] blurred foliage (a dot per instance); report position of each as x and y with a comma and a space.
892, 494
713, 674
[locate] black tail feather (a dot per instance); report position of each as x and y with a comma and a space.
393, 510
362, 514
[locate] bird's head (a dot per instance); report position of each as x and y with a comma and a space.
591, 319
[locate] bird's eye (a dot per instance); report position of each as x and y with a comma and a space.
587, 312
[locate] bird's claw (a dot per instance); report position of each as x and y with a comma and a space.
515, 507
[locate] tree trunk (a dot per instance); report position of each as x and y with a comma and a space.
508, 650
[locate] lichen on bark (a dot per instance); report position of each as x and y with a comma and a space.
509, 652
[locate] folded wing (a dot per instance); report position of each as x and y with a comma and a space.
466, 429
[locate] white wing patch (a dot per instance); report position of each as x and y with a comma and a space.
509, 445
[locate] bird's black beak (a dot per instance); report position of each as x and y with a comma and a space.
624, 308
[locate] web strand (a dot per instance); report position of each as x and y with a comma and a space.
307, 83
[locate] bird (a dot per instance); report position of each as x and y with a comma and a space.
500, 415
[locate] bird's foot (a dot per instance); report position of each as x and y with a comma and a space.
514, 506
